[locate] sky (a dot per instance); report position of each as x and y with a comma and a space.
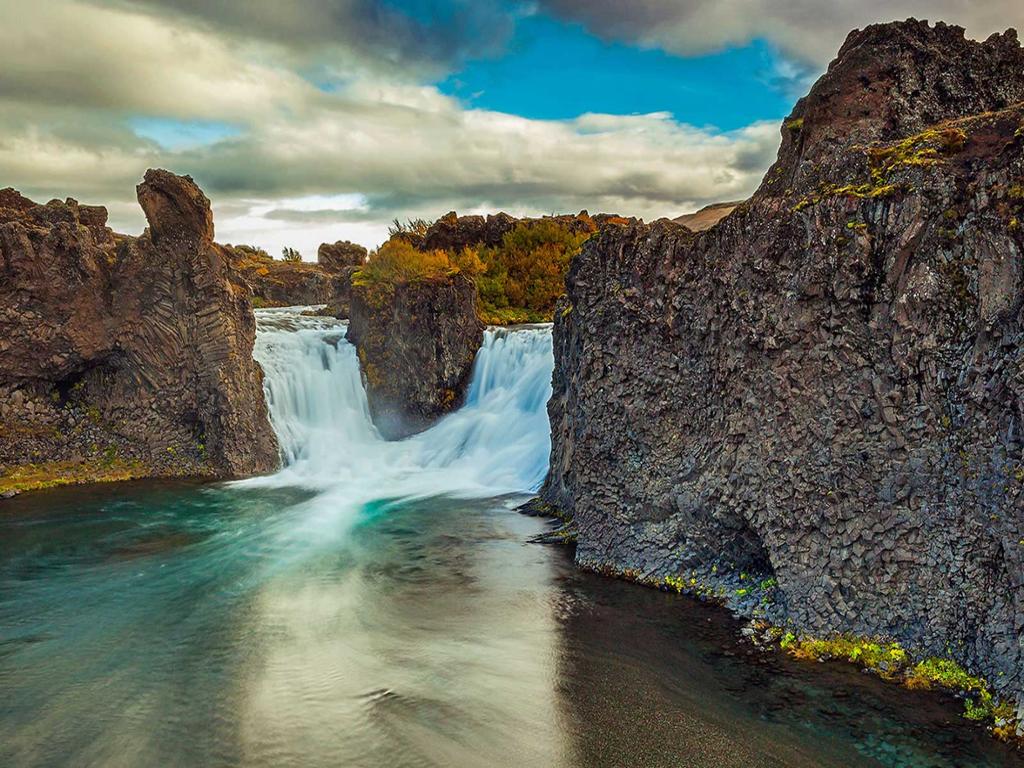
311, 121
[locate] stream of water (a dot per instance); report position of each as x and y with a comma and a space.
377, 603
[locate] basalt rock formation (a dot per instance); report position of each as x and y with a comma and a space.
825, 390
416, 350
122, 356
417, 343
277, 283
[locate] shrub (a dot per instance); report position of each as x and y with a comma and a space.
525, 275
290, 254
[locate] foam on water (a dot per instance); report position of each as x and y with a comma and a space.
497, 443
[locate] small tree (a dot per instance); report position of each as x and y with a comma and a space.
290, 254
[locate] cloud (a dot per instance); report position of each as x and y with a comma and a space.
93, 93
392, 37
809, 30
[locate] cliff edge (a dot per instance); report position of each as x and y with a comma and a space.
120, 356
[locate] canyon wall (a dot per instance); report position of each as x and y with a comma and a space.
823, 393
122, 356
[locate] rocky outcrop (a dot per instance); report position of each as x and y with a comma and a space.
277, 283
339, 256
452, 232
825, 389
416, 348
132, 355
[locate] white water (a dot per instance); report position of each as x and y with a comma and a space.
497, 443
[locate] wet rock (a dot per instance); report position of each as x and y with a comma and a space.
416, 350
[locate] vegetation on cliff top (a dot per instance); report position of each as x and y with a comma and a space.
518, 281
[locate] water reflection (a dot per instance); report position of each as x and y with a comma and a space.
183, 625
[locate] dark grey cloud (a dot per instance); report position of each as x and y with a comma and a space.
809, 30
433, 39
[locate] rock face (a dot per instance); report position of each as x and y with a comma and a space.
277, 283
416, 350
827, 386
127, 352
339, 256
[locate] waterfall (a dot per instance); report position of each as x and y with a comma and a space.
497, 443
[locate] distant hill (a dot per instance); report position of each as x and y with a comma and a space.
707, 216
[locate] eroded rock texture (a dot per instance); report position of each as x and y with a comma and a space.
416, 350
128, 352
827, 385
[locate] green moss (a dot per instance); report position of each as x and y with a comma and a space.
889, 660
921, 150
795, 125
106, 468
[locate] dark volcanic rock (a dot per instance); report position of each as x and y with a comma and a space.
127, 351
827, 385
452, 232
416, 349
336, 257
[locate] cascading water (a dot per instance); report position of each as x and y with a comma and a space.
497, 443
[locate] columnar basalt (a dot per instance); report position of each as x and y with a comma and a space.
124, 356
826, 387
416, 348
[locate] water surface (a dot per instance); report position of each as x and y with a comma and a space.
379, 604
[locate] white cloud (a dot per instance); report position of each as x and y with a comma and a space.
72, 74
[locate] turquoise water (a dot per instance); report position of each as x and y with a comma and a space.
182, 625
379, 604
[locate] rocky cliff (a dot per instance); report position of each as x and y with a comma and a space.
122, 356
823, 393
416, 348
279, 283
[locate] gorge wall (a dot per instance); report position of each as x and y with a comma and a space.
825, 388
122, 356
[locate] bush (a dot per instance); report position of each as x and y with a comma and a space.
518, 281
525, 275
290, 254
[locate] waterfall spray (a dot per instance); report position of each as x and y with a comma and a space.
498, 442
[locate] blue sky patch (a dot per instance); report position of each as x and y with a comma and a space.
557, 70
178, 135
